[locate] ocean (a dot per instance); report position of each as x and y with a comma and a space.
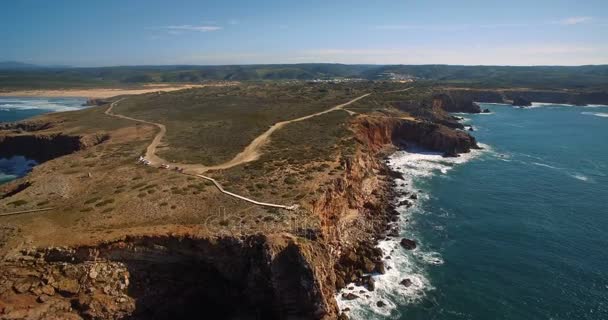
19, 108
518, 230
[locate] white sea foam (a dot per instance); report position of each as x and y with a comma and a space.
403, 264
54, 105
549, 104
580, 177
545, 165
597, 114
493, 103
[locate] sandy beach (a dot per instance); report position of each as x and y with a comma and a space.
96, 92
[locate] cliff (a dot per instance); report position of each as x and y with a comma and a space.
403, 132
269, 276
459, 100
451, 102
43, 147
274, 275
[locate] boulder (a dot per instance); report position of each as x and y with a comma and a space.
22, 286
350, 296
368, 283
42, 298
48, 290
380, 304
67, 286
403, 203
414, 196
343, 316
340, 282
368, 265
408, 244
406, 282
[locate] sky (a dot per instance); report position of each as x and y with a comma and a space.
154, 32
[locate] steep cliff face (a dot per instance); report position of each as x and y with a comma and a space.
267, 277
455, 103
436, 137
43, 147
355, 210
459, 100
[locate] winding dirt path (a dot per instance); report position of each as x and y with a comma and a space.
250, 153
253, 150
399, 90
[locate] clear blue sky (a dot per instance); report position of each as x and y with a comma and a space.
131, 32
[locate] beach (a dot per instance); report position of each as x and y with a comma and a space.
96, 93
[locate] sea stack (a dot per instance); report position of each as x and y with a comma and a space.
521, 102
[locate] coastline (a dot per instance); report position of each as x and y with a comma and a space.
404, 280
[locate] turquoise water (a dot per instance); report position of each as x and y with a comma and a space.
19, 108
517, 231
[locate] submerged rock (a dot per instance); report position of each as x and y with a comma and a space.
406, 282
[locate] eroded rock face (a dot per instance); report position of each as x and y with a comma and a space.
382, 131
274, 277
450, 103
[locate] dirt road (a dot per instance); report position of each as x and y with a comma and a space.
250, 153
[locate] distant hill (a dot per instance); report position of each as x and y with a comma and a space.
13, 65
21, 75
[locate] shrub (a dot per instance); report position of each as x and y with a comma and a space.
18, 203
92, 200
104, 202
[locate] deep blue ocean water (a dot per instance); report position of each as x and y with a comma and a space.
19, 108
517, 231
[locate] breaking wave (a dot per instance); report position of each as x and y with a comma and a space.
48, 104
400, 264
597, 114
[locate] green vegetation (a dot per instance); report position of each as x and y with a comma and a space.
18, 203
211, 125
479, 76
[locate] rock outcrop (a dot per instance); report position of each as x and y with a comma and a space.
435, 137
451, 103
521, 102
272, 277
